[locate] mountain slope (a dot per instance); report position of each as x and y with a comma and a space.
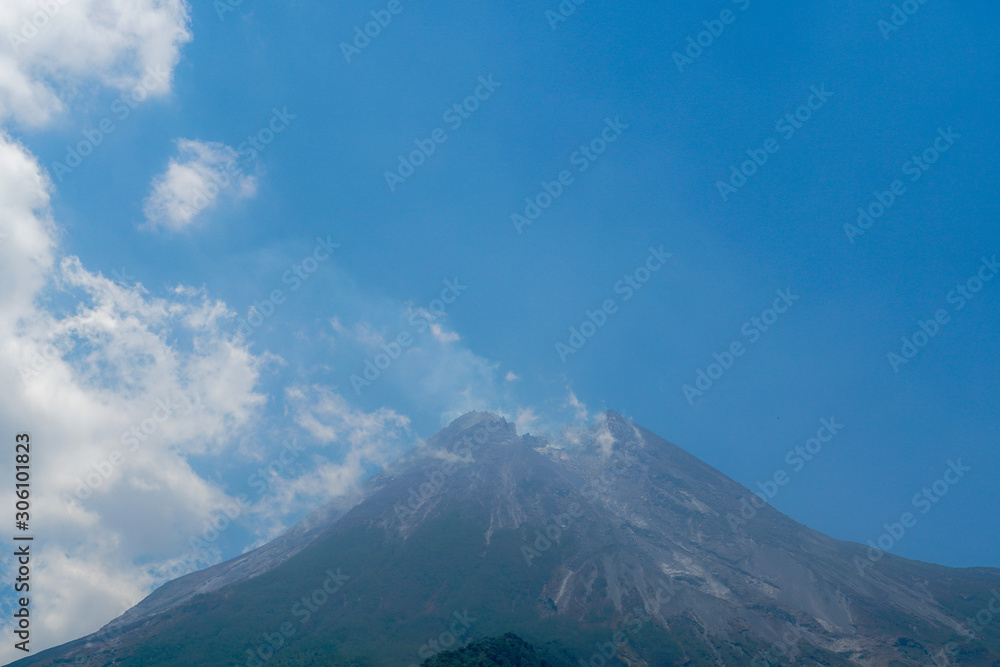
610, 543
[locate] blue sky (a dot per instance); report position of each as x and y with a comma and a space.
879, 96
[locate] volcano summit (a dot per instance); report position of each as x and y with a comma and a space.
606, 545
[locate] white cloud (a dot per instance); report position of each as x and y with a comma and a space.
329, 418
359, 440
193, 182
84, 378
115, 373
525, 420
93, 368
52, 47
365, 333
580, 410
437, 373
27, 225
443, 336
98, 371
157, 380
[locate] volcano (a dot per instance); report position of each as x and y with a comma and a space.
604, 545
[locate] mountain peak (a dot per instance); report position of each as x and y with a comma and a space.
477, 426
481, 425
474, 418
612, 527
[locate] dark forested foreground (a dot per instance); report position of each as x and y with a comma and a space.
506, 651
609, 546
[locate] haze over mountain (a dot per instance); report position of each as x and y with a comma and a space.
605, 544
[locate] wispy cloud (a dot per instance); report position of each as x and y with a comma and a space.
195, 180
580, 410
121, 403
51, 47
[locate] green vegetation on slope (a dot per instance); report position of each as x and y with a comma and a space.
506, 651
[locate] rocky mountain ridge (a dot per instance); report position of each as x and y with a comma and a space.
603, 532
